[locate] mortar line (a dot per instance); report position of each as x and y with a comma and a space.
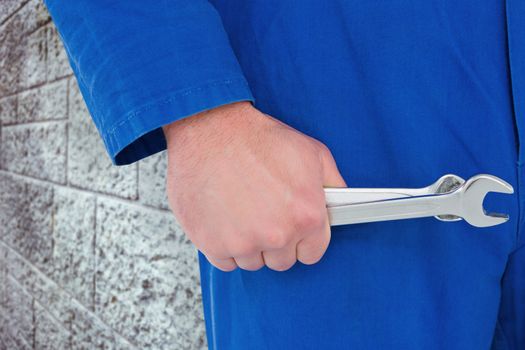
31, 122
95, 259
61, 324
37, 86
47, 279
5, 20
1, 143
13, 338
10, 335
28, 177
38, 27
49, 314
27, 292
67, 130
45, 64
33, 301
130, 202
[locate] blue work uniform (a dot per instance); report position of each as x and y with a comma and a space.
401, 92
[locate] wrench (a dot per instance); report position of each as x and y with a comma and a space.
336, 196
466, 201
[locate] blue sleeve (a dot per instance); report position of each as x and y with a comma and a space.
143, 64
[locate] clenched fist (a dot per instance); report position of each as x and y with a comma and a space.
247, 189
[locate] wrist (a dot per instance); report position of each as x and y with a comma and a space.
186, 124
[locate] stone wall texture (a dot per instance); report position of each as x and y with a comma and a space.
90, 255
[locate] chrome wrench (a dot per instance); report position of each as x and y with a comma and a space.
369, 205
336, 196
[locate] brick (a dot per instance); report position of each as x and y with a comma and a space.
12, 44
12, 343
17, 267
86, 329
145, 290
89, 166
25, 223
37, 150
152, 180
33, 64
49, 334
4, 330
57, 60
19, 311
89, 332
147, 282
43, 290
8, 108
44, 103
72, 262
23, 48
30, 17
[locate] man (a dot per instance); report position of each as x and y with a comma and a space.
255, 100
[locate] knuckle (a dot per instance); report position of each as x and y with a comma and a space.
308, 217
276, 239
323, 149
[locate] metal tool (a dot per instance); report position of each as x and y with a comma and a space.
450, 198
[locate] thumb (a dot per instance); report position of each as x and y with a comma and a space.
331, 175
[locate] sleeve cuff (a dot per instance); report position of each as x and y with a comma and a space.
138, 134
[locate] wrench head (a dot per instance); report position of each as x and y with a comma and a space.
445, 184
473, 193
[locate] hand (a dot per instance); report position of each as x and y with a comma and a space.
247, 189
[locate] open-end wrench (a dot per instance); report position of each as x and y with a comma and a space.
466, 201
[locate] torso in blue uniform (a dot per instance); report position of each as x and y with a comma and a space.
402, 92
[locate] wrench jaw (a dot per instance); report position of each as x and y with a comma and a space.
473, 193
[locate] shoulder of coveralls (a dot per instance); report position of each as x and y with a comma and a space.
140, 65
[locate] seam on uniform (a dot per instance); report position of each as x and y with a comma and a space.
519, 246
519, 163
499, 324
499, 327
175, 95
519, 193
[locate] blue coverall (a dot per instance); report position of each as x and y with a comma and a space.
401, 92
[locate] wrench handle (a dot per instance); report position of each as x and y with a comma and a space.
395, 209
337, 196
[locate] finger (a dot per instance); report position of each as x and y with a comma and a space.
331, 175
311, 248
281, 259
252, 262
225, 265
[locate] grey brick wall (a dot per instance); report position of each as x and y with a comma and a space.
90, 256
